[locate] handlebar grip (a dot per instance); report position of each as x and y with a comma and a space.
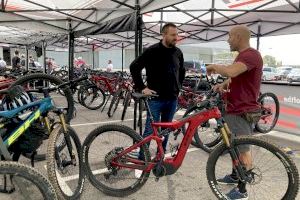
68, 83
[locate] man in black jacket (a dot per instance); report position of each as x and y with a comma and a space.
165, 73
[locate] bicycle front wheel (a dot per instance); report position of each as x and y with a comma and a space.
273, 174
25, 183
65, 99
64, 163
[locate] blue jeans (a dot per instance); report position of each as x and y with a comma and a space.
162, 111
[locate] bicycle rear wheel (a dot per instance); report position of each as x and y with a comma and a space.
29, 184
91, 97
206, 136
272, 173
100, 147
270, 112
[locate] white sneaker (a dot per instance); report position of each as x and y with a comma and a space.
138, 173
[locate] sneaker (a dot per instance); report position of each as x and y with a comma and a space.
235, 194
138, 173
228, 180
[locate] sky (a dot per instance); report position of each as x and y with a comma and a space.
285, 48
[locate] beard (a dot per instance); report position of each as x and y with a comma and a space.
232, 48
171, 43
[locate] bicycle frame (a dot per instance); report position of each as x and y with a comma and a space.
172, 164
109, 83
44, 105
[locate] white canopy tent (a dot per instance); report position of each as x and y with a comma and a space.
211, 20
30, 21
47, 19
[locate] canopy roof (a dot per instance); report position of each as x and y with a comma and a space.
30, 21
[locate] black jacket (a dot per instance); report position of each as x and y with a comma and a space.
164, 70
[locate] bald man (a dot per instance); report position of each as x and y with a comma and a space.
243, 88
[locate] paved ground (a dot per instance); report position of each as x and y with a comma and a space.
189, 182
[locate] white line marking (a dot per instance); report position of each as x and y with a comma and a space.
286, 136
62, 183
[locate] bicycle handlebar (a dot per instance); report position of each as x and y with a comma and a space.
48, 89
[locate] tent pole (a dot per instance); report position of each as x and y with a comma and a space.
140, 35
137, 13
71, 52
93, 50
258, 36
26, 55
44, 57
212, 12
122, 56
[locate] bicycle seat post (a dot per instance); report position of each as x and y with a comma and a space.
148, 109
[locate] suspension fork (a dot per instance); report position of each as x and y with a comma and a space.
47, 124
233, 151
66, 134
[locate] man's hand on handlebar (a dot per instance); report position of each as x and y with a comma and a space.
147, 91
219, 88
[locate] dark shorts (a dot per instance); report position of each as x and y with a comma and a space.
239, 127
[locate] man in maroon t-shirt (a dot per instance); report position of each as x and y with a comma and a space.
243, 87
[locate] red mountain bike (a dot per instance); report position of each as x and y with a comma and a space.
110, 164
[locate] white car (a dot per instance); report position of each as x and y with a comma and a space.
294, 75
269, 74
283, 72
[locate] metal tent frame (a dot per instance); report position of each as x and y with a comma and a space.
207, 23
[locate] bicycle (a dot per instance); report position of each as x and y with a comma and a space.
113, 171
210, 134
63, 151
100, 86
124, 91
26, 182
63, 96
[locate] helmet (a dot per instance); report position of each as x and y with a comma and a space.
15, 98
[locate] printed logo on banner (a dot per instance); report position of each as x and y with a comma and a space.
240, 3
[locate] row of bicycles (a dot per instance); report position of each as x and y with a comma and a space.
107, 157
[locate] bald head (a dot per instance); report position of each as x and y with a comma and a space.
242, 31
239, 37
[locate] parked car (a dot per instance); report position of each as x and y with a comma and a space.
269, 74
283, 72
294, 75
194, 66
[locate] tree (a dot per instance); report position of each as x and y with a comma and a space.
269, 61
